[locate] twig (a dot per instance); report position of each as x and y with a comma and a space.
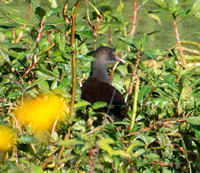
49, 159
190, 43
156, 123
178, 40
91, 25
91, 158
73, 57
73, 18
193, 51
94, 130
134, 19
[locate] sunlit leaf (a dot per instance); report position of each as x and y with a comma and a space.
195, 9
193, 120
13, 16
71, 143
161, 3
144, 91
27, 140
82, 103
98, 105
104, 145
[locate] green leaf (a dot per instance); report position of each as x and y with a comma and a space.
195, 8
104, 145
26, 140
63, 85
13, 16
85, 58
161, 4
82, 103
36, 168
144, 91
98, 105
154, 53
153, 156
125, 40
40, 13
86, 34
56, 22
60, 41
71, 143
134, 144
121, 153
173, 6
35, 83
170, 79
143, 41
170, 62
51, 13
44, 87
155, 17
44, 76
197, 134
193, 120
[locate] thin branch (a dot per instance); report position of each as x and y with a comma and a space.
161, 124
178, 40
73, 57
73, 18
134, 18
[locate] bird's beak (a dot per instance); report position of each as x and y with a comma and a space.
119, 59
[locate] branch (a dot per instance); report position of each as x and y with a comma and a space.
134, 18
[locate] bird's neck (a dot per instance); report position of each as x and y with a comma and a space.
100, 72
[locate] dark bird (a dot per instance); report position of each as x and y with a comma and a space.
98, 88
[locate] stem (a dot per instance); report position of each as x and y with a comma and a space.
73, 57
134, 18
73, 18
178, 40
90, 161
135, 103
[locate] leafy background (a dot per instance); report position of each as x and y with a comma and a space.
52, 54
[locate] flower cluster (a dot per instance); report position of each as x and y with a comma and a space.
7, 139
42, 112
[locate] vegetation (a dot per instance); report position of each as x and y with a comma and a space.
46, 63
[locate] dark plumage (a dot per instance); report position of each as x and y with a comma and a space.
98, 88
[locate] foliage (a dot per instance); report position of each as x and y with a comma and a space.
37, 59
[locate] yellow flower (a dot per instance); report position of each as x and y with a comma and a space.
7, 138
42, 112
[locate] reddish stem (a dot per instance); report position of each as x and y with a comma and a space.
90, 161
177, 36
134, 17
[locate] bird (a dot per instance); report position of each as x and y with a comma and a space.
97, 88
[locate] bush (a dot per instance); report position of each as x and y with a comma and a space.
51, 59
